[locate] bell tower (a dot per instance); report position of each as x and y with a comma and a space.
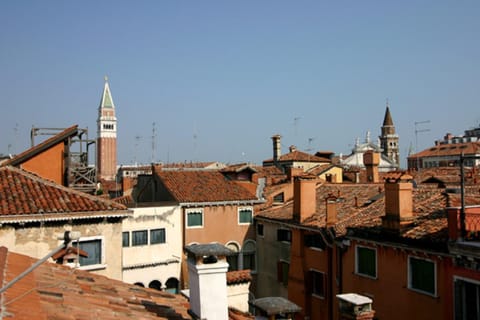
389, 138
106, 137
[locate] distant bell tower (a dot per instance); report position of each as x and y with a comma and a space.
106, 137
389, 138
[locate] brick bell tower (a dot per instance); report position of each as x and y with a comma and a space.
106, 137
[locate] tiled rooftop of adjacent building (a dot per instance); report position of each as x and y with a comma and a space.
23, 193
203, 186
54, 291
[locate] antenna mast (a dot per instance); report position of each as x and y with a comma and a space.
417, 131
153, 142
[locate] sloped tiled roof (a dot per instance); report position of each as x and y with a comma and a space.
351, 197
53, 291
239, 276
430, 223
203, 186
322, 168
35, 150
299, 156
193, 165
24, 195
450, 149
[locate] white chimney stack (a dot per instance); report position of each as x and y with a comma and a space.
207, 272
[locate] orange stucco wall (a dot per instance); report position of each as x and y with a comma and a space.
302, 260
48, 164
220, 224
391, 296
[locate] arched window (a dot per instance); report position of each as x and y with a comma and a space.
233, 259
139, 284
248, 255
172, 285
155, 284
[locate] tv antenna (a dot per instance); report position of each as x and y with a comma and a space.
295, 124
154, 136
137, 141
310, 140
417, 131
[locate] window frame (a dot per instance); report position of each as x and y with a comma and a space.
134, 244
164, 238
322, 276
410, 275
281, 276
357, 262
249, 253
260, 230
195, 210
102, 263
287, 238
239, 215
125, 233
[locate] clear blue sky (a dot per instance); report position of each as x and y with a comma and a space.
219, 78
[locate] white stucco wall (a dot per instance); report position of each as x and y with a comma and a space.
158, 262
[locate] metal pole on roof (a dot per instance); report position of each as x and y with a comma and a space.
416, 139
462, 196
67, 241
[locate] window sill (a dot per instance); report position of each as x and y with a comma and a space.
93, 267
366, 276
433, 295
317, 296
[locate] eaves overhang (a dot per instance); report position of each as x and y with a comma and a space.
53, 217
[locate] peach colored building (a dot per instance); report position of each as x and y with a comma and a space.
48, 158
397, 240
212, 209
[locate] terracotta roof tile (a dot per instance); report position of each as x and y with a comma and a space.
451, 149
25, 194
240, 276
430, 220
300, 156
53, 291
203, 186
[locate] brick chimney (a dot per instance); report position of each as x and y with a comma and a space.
277, 149
371, 160
331, 205
207, 272
304, 198
398, 201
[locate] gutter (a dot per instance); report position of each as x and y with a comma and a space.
221, 203
65, 216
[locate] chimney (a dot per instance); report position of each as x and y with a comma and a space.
304, 198
355, 306
277, 149
292, 148
331, 205
293, 172
371, 160
398, 201
207, 272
